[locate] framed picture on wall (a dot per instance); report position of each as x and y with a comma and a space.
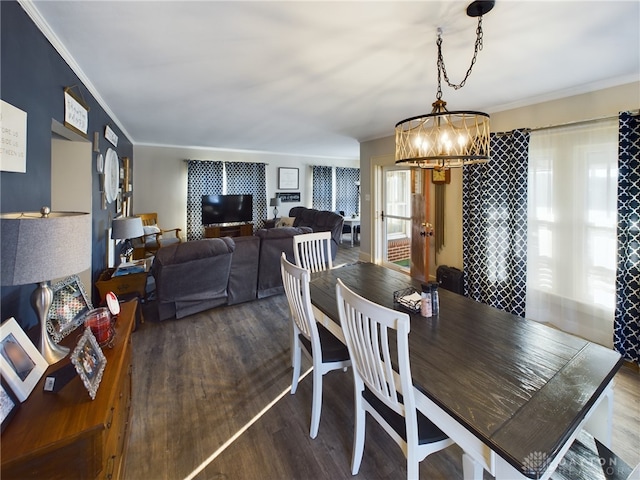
288, 178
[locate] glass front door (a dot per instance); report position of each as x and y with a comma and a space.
396, 218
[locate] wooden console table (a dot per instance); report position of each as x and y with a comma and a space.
66, 434
233, 230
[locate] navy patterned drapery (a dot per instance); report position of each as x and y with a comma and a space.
626, 326
249, 178
203, 178
207, 178
322, 196
347, 191
494, 224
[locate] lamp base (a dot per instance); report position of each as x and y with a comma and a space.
41, 300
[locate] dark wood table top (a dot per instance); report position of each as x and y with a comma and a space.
517, 385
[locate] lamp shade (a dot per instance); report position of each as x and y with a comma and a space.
36, 248
126, 227
274, 202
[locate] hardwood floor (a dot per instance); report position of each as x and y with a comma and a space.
202, 380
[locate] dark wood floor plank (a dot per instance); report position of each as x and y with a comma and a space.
198, 380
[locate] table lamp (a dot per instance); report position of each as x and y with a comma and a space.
126, 228
38, 247
275, 203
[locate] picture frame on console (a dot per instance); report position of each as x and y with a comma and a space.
69, 307
288, 178
9, 404
89, 361
21, 363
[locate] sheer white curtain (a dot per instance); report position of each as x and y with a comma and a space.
571, 267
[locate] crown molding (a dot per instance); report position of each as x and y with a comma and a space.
31, 10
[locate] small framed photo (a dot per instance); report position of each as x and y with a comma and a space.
21, 363
69, 307
89, 361
288, 178
9, 404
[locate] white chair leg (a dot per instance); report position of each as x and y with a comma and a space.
358, 437
413, 465
316, 406
296, 361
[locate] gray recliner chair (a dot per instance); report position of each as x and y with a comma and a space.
192, 277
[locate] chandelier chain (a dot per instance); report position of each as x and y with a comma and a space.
442, 69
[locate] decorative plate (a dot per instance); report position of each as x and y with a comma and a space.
111, 175
100, 163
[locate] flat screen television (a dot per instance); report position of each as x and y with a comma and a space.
226, 209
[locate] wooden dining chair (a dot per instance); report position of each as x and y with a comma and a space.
154, 237
325, 351
386, 394
312, 251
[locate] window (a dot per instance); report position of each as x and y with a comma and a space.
572, 218
336, 189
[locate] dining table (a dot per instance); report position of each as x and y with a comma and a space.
354, 223
513, 393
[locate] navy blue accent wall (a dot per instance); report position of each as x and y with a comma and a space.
32, 78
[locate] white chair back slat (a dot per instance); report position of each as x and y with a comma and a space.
296, 286
366, 329
312, 251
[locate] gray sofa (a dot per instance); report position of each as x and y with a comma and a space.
320, 221
202, 274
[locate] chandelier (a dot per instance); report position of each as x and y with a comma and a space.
443, 138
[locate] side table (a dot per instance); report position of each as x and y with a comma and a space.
126, 286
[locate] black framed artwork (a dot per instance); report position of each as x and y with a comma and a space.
288, 178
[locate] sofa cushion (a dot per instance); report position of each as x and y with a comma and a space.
274, 241
243, 277
285, 222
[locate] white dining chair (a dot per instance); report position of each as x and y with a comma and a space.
325, 351
386, 394
313, 251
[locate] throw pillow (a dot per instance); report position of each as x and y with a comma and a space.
285, 222
150, 229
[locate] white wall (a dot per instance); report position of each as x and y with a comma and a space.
588, 106
71, 185
160, 178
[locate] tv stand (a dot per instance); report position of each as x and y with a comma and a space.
229, 230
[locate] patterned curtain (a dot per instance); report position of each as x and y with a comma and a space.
626, 327
203, 178
494, 224
347, 191
249, 178
322, 196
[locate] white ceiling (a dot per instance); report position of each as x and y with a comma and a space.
316, 78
